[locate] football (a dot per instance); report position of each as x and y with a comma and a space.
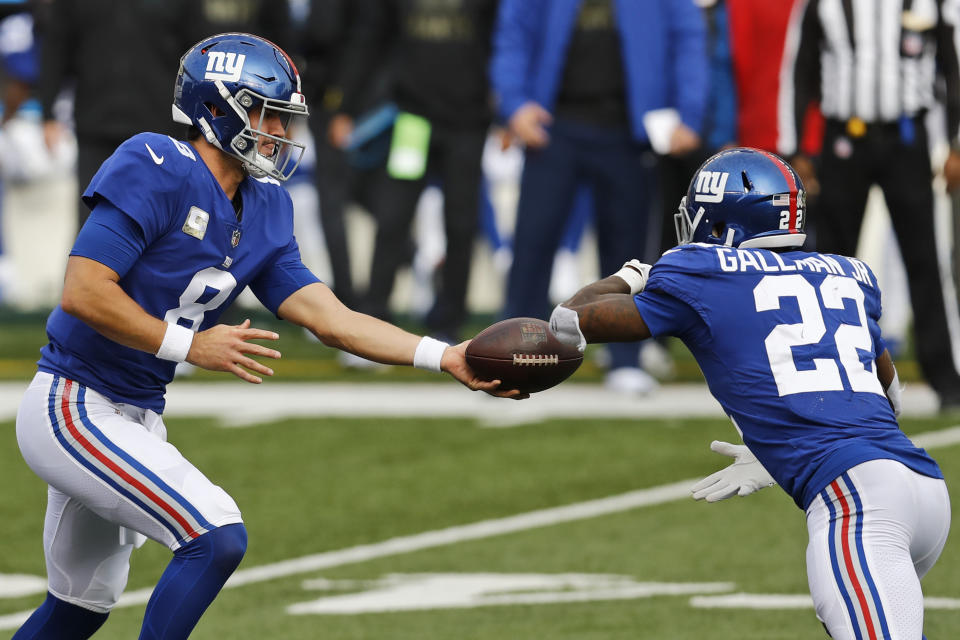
523, 354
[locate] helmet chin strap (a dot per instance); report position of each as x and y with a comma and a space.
208, 133
730, 233
229, 99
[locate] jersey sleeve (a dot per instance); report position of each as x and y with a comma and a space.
670, 303
110, 237
665, 315
285, 275
135, 182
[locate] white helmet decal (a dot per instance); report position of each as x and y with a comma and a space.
710, 186
224, 65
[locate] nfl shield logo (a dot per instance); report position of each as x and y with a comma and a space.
531, 332
235, 238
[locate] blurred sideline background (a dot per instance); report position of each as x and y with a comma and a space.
39, 226
38, 213
39, 201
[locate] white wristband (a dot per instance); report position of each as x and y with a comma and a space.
634, 273
429, 353
176, 343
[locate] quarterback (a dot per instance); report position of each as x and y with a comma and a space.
177, 230
790, 346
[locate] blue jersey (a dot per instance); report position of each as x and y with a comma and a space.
191, 258
787, 344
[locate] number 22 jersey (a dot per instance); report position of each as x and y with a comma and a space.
787, 343
162, 222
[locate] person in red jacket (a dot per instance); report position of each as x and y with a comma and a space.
758, 31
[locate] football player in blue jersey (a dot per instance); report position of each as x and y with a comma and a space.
789, 344
177, 230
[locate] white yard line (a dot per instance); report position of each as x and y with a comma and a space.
463, 533
500, 526
443, 399
475, 531
427, 540
239, 404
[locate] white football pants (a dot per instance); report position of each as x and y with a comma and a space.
874, 532
110, 473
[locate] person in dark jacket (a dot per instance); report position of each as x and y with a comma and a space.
140, 42
575, 79
438, 54
325, 35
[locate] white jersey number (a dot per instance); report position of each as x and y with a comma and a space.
848, 338
190, 309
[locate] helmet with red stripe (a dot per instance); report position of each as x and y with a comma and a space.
744, 198
229, 85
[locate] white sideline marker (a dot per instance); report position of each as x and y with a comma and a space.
476, 531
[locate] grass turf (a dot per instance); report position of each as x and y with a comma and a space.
310, 486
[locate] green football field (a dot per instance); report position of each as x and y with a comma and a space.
441, 529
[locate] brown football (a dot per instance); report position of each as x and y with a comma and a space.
523, 354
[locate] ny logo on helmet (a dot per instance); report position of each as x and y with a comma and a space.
223, 65
710, 186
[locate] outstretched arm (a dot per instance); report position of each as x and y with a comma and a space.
604, 311
316, 308
610, 317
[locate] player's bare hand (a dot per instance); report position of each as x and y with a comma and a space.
454, 362
227, 348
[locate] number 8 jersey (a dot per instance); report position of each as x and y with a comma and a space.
163, 223
787, 343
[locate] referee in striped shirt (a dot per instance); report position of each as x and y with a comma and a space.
874, 66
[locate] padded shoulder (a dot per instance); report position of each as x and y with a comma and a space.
143, 178
147, 162
693, 258
681, 272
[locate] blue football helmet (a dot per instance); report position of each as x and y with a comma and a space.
744, 198
242, 75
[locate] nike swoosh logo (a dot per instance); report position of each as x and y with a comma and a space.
158, 160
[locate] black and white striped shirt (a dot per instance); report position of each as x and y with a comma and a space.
875, 60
